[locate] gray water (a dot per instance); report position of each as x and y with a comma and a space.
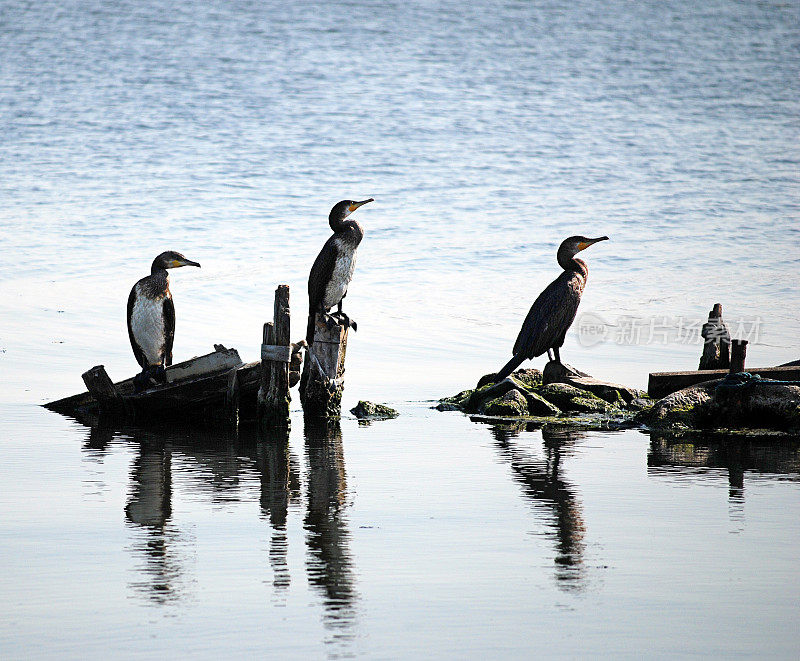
486, 133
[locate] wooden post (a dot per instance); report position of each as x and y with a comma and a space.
322, 384
273, 395
738, 353
716, 349
102, 388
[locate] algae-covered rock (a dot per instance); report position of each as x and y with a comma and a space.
756, 404
454, 403
528, 378
512, 403
370, 411
489, 392
684, 409
570, 398
538, 405
613, 393
641, 404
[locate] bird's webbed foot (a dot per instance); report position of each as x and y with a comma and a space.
160, 374
346, 321
149, 376
140, 382
330, 322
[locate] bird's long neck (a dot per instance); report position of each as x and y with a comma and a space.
160, 277
350, 228
569, 262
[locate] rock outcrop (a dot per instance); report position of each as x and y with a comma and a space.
562, 391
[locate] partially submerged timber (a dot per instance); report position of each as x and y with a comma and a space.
220, 387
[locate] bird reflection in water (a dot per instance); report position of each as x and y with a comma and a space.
542, 484
150, 507
329, 565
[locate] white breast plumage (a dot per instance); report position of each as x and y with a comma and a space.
342, 274
147, 325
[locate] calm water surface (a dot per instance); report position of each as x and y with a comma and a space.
487, 132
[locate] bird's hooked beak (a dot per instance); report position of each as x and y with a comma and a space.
583, 245
176, 263
355, 205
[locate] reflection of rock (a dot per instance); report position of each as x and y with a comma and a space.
695, 452
327, 536
698, 450
737, 402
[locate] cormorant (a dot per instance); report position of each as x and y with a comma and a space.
553, 312
333, 268
151, 319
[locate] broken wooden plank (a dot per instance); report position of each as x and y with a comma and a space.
185, 378
103, 390
221, 360
661, 384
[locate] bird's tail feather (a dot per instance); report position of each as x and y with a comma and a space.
509, 367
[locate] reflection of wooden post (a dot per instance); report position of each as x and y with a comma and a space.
322, 385
716, 349
273, 395
738, 353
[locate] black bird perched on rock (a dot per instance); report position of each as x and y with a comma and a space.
151, 319
553, 312
333, 268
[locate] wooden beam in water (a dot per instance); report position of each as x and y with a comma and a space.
662, 384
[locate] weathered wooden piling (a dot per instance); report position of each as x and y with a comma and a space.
716, 348
102, 388
276, 353
322, 383
738, 354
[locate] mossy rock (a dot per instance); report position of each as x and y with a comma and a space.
684, 409
489, 392
512, 403
529, 378
456, 402
371, 411
570, 398
538, 405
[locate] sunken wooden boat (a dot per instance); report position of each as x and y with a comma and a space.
218, 386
